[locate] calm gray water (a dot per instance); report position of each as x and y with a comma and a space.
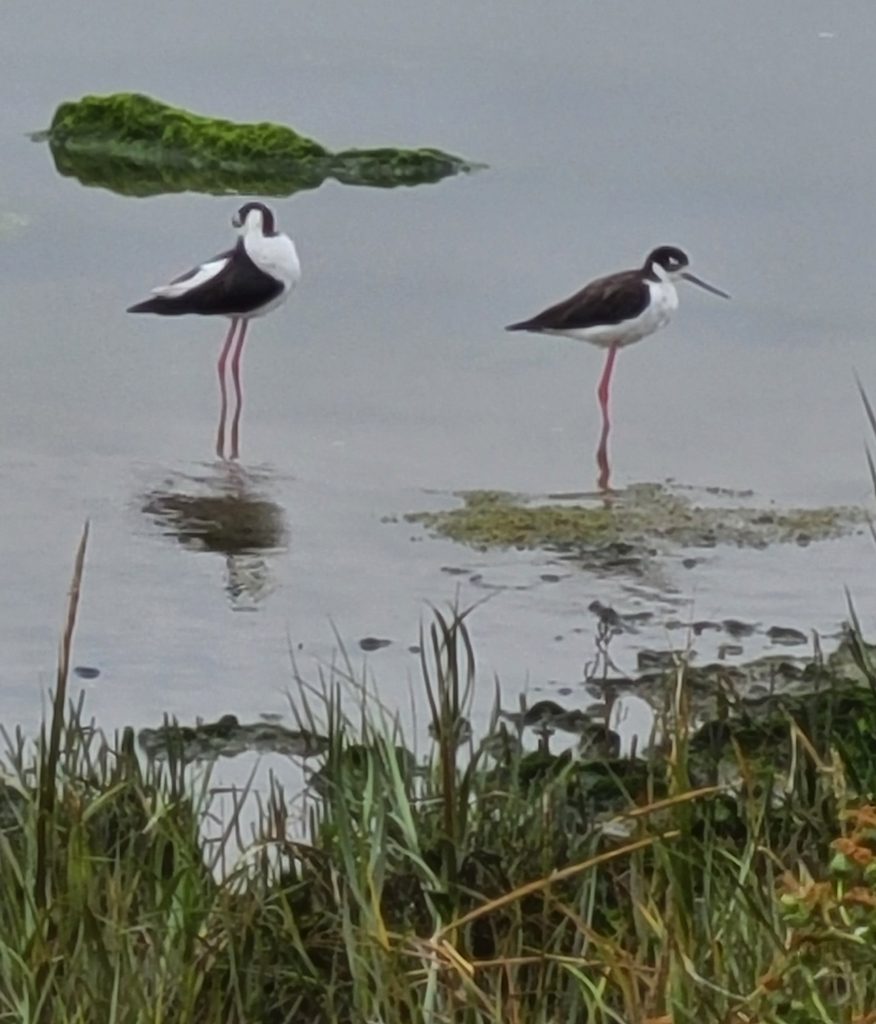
735, 129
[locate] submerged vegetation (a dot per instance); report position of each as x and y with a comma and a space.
136, 145
624, 530
479, 881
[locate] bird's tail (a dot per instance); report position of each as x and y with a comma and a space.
157, 304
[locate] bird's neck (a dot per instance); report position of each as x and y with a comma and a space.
656, 272
663, 293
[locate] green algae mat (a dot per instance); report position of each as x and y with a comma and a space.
624, 530
138, 146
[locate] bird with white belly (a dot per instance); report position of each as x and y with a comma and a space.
620, 309
245, 282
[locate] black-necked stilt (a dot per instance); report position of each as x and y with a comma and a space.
618, 310
250, 280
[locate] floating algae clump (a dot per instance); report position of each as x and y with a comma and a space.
499, 519
135, 145
626, 528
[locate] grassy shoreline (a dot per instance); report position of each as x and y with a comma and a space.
484, 884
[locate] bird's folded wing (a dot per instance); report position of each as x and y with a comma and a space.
608, 300
194, 278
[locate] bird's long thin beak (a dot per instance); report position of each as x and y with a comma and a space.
703, 284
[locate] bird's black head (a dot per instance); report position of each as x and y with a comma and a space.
667, 263
669, 259
255, 217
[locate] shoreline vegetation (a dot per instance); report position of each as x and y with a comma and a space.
139, 146
478, 882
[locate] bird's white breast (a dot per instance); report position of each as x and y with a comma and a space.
664, 302
275, 255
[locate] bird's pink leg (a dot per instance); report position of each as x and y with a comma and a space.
238, 391
223, 407
226, 348
605, 381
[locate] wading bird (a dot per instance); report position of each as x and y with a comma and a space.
619, 310
250, 280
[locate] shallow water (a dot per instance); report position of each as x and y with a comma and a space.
388, 382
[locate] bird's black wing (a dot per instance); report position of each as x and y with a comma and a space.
607, 300
236, 289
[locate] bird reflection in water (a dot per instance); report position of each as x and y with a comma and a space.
227, 514
603, 459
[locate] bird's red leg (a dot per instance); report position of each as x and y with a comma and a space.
223, 407
605, 381
238, 392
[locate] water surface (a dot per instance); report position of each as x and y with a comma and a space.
730, 129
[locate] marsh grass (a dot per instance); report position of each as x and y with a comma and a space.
479, 882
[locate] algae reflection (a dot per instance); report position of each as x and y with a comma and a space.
227, 736
138, 146
228, 514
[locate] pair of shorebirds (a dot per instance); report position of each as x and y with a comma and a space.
260, 272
